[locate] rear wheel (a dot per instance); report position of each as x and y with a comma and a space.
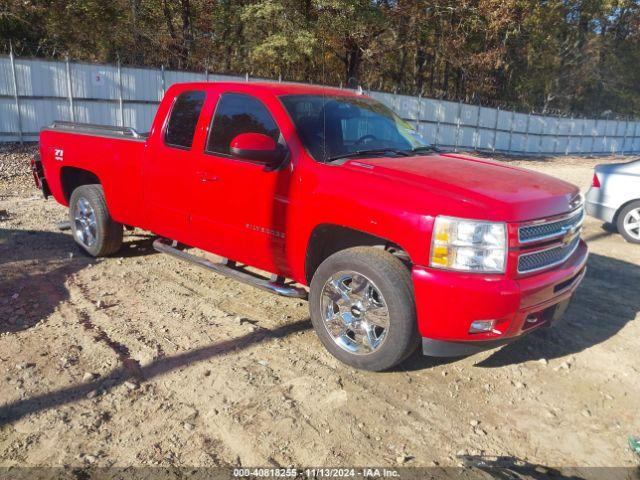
363, 309
628, 222
92, 226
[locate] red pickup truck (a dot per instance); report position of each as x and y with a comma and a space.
398, 243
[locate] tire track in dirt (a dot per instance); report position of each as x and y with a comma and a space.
99, 335
236, 436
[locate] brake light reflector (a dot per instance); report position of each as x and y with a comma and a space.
595, 183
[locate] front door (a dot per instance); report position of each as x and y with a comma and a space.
168, 169
240, 208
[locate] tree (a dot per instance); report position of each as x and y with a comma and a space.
574, 56
349, 29
277, 37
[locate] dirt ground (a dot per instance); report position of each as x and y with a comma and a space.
142, 360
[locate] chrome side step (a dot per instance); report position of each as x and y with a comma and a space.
228, 268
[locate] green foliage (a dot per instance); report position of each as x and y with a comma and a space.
277, 36
574, 56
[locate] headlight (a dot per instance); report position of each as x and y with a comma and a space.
469, 245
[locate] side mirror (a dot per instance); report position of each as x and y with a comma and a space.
257, 147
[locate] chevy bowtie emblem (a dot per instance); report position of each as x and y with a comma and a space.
567, 239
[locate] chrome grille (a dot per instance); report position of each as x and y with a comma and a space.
530, 262
544, 231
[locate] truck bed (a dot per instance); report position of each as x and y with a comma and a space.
113, 154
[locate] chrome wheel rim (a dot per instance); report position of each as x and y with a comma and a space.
85, 222
354, 313
632, 223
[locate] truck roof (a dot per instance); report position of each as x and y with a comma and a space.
275, 88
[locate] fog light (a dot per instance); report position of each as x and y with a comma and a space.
531, 319
482, 326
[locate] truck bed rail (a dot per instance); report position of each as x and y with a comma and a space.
100, 130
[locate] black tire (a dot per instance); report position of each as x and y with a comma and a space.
108, 233
392, 278
620, 221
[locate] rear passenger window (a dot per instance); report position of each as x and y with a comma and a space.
235, 114
184, 118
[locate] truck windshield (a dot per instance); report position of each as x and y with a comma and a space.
333, 127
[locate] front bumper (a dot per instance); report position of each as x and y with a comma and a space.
448, 302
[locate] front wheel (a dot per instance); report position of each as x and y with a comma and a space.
92, 226
628, 222
363, 309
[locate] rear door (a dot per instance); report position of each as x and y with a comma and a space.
240, 208
168, 179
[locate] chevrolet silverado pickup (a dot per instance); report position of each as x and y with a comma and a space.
303, 187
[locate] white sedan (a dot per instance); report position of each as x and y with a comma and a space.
614, 197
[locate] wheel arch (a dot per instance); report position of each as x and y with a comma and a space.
622, 207
327, 239
74, 177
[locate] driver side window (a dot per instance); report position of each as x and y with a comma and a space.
238, 113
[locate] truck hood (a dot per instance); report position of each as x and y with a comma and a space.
476, 187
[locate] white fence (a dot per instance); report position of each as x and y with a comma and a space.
34, 93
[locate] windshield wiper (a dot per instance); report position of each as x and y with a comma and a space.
424, 148
371, 151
